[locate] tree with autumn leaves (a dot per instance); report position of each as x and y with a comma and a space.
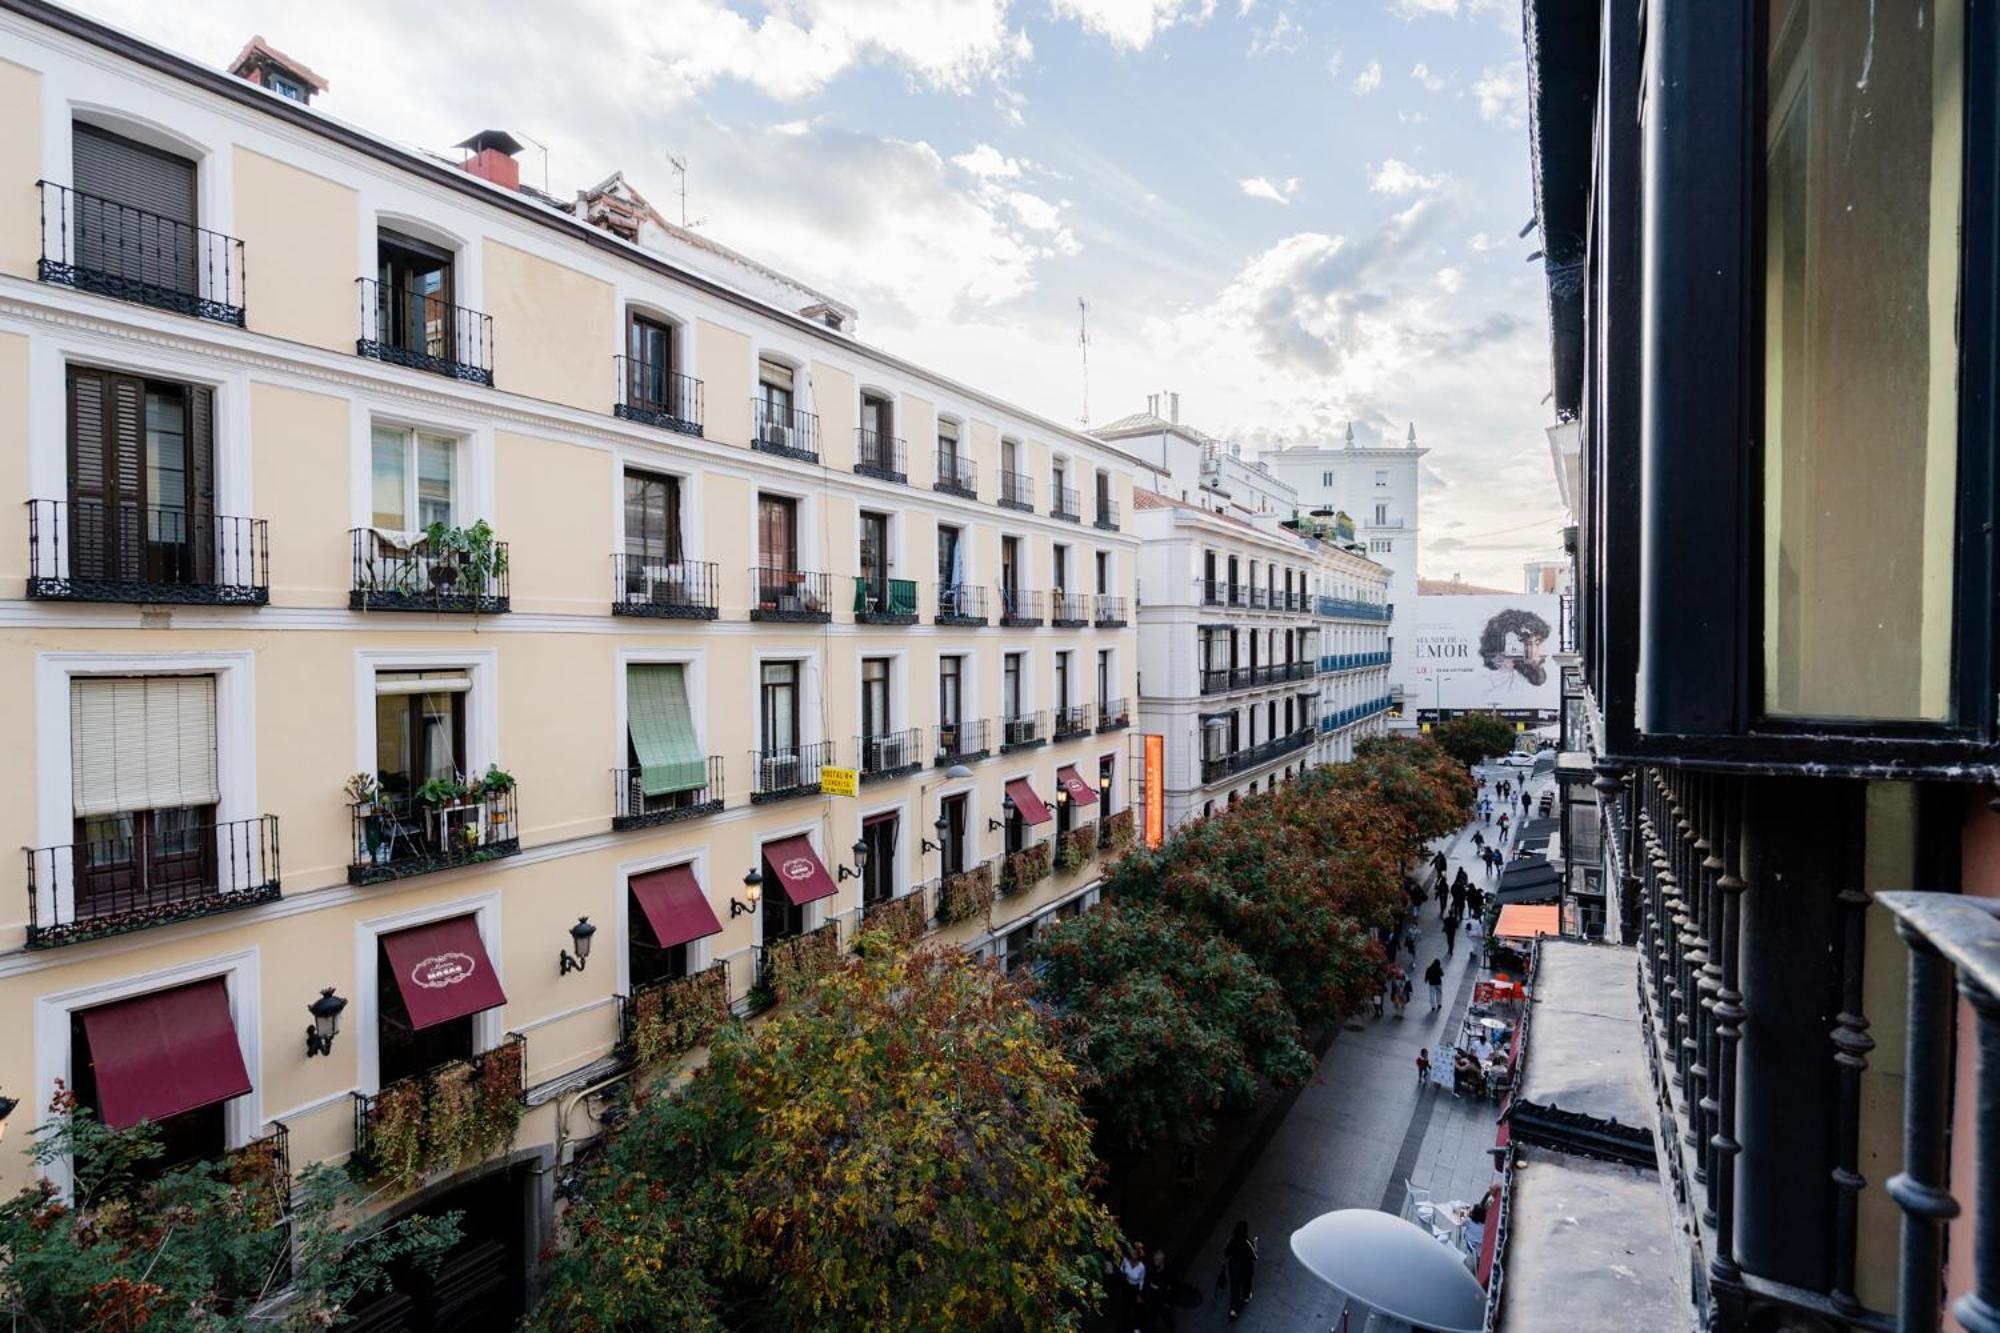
900, 1148
1471, 738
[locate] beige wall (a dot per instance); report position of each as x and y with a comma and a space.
299, 448
834, 399
20, 168
554, 329
298, 232
727, 376
553, 507
918, 427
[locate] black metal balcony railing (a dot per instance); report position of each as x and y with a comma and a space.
879, 456
1017, 491
1019, 608
1260, 598
885, 601
392, 576
956, 474
891, 754
662, 589
429, 1107
631, 808
1110, 611
424, 332
652, 394
1064, 505
796, 595
959, 743
1107, 514
1216, 768
87, 890
1350, 608
395, 837
666, 1018
1019, 733
1220, 680
112, 249
1072, 720
1114, 714
1068, 610
87, 551
791, 770
961, 604
784, 431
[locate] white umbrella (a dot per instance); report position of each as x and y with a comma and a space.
1393, 1267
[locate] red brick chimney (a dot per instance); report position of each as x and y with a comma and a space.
490, 156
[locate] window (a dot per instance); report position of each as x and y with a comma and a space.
1103, 573
777, 533
951, 835
1381, 514
135, 211
285, 87
1059, 475
1062, 679
143, 789
419, 728
875, 697
1861, 263
414, 296
875, 556
878, 881
1010, 455
877, 420
951, 559
951, 695
1010, 686
1326, 479
1103, 676
1107, 774
773, 405
652, 526
649, 369
662, 748
1381, 545
117, 1051
779, 699
141, 478
412, 479
1060, 568
1010, 569
947, 443
401, 1048
1381, 476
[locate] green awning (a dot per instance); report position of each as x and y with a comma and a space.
662, 728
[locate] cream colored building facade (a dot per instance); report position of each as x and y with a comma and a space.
237, 608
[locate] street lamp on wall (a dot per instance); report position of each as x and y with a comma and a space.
753, 888
943, 826
860, 853
996, 826
325, 1027
579, 935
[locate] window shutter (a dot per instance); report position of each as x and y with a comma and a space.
662, 728
142, 743
115, 168
947, 431
775, 375
201, 482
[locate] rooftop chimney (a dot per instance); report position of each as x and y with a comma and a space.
1174, 413
490, 156
1152, 404
266, 66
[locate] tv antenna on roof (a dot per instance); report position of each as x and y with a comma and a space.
1083, 344
680, 165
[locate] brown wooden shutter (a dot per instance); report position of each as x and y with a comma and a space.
86, 525
125, 478
201, 526
106, 474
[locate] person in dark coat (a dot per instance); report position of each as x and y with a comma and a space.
1239, 1268
1434, 978
1451, 936
1437, 863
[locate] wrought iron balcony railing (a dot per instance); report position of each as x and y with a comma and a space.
956, 474
1019, 608
1350, 608
1068, 610
1064, 504
395, 572
959, 743
155, 874
454, 824
653, 394
424, 332
891, 754
112, 249
631, 808
662, 589
1218, 767
1110, 611
88, 551
1019, 733
961, 604
431, 1108
885, 601
1214, 592
1017, 491
784, 431
879, 456
1114, 714
796, 595
791, 770
666, 1018
1107, 514
1072, 720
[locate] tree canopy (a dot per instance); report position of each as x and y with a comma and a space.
1472, 737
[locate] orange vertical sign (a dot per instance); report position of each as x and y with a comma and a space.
1156, 789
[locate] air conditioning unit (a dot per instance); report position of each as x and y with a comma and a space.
779, 772
779, 436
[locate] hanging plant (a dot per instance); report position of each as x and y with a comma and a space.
902, 918
676, 1016
1077, 846
1026, 868
496, 1099
797, 962
395, 1155
1121, 831
966, 895
258, 1169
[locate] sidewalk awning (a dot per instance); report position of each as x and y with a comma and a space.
1073, 783
1025, 800
1524, 923
442, 971
158, 1055
674, 906
1529, 880
798, 868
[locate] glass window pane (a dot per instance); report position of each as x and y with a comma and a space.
389, 479
434, 479
1860, 360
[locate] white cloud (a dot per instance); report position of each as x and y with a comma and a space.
1259, 188
1369, 79
1132, 24
988, 163
1502, 91
1422, 74
1398, 177
1412, 118
1450, 279
1281, 38
1481, 243
1334, 62
1417, 9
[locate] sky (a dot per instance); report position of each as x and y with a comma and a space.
1296, 215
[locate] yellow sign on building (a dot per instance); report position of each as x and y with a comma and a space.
839, 781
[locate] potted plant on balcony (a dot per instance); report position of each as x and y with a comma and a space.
443, 798
468, 558
495, 784
362, 793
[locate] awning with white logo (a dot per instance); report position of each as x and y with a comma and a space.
442, 971
797, 867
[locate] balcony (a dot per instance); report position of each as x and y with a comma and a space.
653, 395
1221, 680
885, 601
1063, 504
1069, 610
956, 475
1330, 662
784, 431
153, 877
424, 332
959, 743
1361, 712
441, 825
1107, 514
455, 573
787, 967
1219, 767
794, 596
893, 754
664, 1019
960, 604
1072, 720
1017, 491
662, 589
87, 551
1110, 612
787, 771
879, 456
1350, 608
632, 808
111, 249
1020, 610
452, 1116
1024, 732
1114, 715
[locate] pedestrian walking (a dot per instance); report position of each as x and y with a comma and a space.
1159, 1295
1410, 943
1451, 936
1132, 1272
1524, 805
1423, 1066
1437, 863
1505, 820
1383, 991
1434, 978
1239, 1268
1485, 812
1478, 838
1443, 891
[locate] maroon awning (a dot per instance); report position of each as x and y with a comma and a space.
675, 906
1025, 800
161, 1054
443, 971
794, 863
1073, 783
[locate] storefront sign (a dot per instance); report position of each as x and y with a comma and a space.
839, 781
1156, 789
443, 969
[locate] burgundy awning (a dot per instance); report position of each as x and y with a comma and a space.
161, 1054
675, 906
1025, 800
794, 863
443, 971
1073, 783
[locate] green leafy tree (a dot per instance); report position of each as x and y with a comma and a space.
198, 1249
1471, 738
1174, 1022
901, 1148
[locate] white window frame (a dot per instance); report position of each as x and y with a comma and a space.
686, 345
413, 438
482, 714
472, 462
810, 717
899, 689
489, 1026
694, 668
814, 914
811, 553
698, 859
632, 458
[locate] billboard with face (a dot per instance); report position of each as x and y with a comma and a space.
1478, 652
